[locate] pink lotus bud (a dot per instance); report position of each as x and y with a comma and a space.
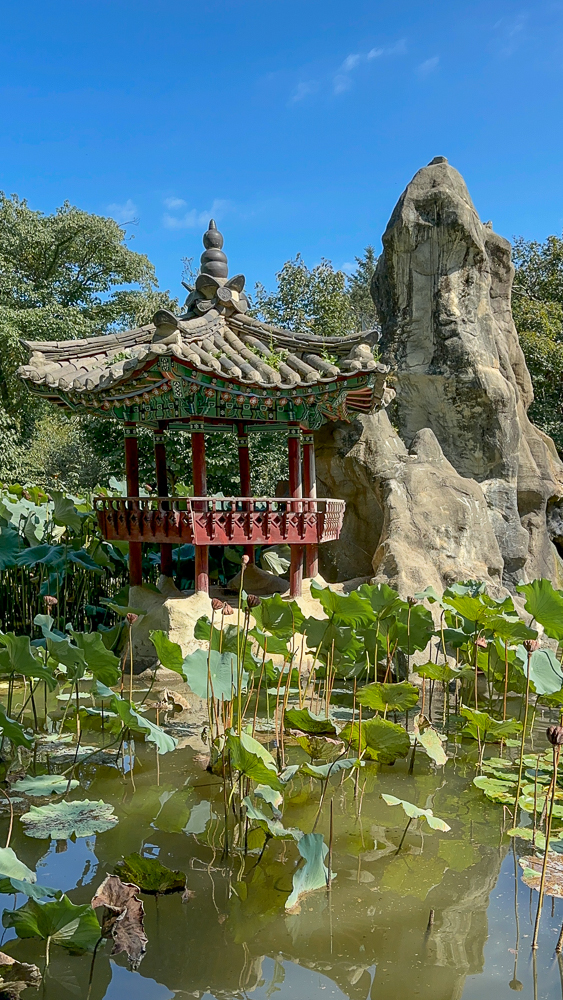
50, 601
227, 609
253, 601
131, 618
216, 604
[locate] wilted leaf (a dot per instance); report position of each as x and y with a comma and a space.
15, 977
72, 927
123, 918
532, 868
61, 820
314, 874
413, 812
150, 875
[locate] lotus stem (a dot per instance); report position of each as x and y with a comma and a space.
556, 753
519, 785
330, 839
9, 835
403, 837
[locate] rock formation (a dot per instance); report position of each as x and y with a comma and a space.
465, 486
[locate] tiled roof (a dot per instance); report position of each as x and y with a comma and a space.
236, 347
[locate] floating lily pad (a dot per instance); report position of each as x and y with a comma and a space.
496, 790
150, 875
44, 784
61, 820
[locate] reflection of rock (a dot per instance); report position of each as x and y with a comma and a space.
411, 518
442, 289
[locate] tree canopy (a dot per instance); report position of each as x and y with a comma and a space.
537, 307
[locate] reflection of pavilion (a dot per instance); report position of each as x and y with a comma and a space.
214, 369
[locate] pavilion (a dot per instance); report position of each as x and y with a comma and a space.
214, 369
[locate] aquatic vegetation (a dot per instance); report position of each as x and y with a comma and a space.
303, 718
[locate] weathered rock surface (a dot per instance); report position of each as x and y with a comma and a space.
426, 525
442, 289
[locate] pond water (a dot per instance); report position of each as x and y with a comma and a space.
369, 937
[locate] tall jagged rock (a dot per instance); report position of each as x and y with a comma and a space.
442, 289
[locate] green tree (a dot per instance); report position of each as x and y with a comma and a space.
537, 308
314, 299
359, 290
63, 276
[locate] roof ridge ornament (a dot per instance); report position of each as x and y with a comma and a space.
213, 292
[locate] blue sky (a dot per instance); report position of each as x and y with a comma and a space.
296, 123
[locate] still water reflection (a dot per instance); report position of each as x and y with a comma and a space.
370, 939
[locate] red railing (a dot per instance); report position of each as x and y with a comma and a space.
219, 521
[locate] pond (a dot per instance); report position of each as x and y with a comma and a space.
447, 918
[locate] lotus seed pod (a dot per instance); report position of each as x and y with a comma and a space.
555, 735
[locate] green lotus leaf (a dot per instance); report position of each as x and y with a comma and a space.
483, 727
381, 740
65, 513
280, 618
14, 731
546, 676
10, 547
61, 820
306, 722
324, 771
393, 697
150, 875
253, 760
413, 812
18, 657
138, 724
169, 653
272, 827
314, 874
545, 604
73, 927
101, 662
12, 867
223, 670
44, 784
437, 671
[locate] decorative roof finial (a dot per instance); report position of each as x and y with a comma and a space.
213, 260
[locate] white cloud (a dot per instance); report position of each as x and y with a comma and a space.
175, 203
351, 62
127, 212
304, 89
348, 268
342, 81
195, 219
428, 66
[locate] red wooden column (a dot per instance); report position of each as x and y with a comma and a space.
295, 492
200, 490
244, 470
132, 474
310, 490
166, 564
